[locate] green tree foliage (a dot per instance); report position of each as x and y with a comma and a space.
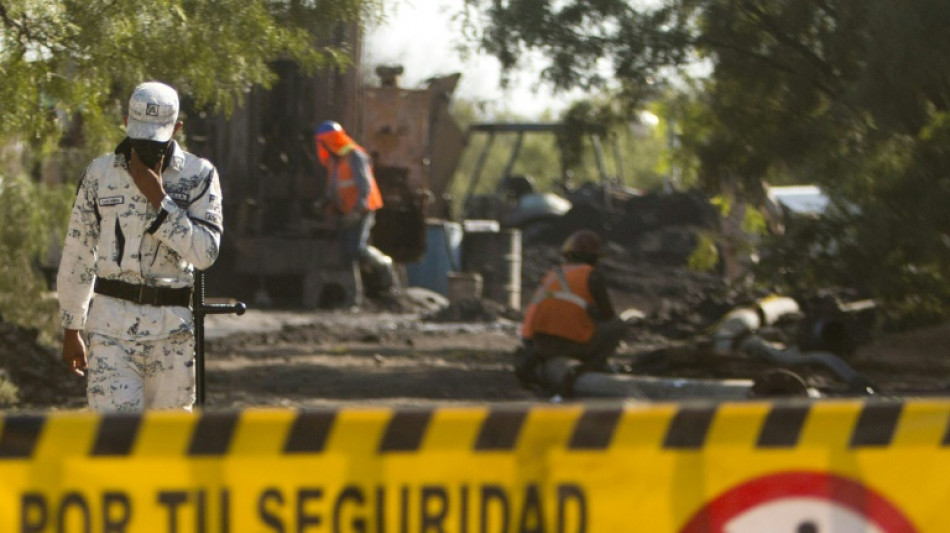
634, 150
850, 94
31, 218
579, 36
68, 67
63, 59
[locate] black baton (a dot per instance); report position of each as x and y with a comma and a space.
199, 310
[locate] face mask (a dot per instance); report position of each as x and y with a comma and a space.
150, 152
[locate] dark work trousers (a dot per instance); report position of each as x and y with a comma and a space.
592, 354
354, 235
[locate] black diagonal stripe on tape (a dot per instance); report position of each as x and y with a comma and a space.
689, 427
405, 431
783, 426
876, 424
500, 430
116, 434
213, 434
595, 429
309, 432
20, 434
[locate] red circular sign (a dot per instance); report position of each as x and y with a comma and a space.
799, 502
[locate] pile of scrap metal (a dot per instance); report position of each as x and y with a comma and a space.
559, 377
516, 201
824, 338
760, 330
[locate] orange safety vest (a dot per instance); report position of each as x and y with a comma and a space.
561, 311
344, 186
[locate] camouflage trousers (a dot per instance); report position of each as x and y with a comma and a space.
131, 376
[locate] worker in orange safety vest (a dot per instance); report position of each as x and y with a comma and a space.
352, 193
571, 315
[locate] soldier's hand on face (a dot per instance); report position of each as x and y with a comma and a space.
74, 352
148, 180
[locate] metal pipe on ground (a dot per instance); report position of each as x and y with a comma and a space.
736, 324
774, 308
744, 320
561, 374
791, 356
597, 384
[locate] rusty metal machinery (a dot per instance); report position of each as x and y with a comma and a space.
415, 145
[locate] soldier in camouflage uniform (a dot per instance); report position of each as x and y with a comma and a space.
145, 217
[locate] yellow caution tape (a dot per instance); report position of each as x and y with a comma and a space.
808, 466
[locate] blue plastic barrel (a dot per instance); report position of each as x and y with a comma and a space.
442, 255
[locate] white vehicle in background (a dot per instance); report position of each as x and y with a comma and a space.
799, 199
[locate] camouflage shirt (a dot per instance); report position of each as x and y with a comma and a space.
115, 233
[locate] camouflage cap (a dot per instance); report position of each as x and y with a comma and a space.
153, 112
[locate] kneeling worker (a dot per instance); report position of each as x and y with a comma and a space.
570, 318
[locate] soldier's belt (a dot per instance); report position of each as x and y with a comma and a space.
144, 294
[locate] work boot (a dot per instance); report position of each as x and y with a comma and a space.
526, 363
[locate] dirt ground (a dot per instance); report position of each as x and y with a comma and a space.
342, 358
424, 356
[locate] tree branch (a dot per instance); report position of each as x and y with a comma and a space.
22, 30
784, 38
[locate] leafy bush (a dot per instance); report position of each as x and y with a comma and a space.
33, 220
